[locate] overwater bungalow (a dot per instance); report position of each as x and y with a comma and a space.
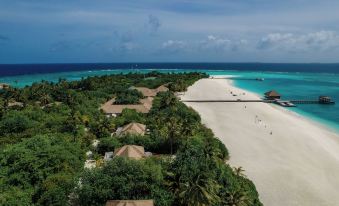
325, 100
272, 95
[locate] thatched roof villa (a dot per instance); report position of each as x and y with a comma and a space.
162, 88
145, 105
4, 86
146, 92
130, 151
130, 203
132, 128
150, 92
112, 109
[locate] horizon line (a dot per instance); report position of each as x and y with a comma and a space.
164, 62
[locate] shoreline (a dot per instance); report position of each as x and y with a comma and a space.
311, 120
291, 159
318, 121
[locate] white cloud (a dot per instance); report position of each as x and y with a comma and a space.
129, 46
173, 45
221, 44
322, 40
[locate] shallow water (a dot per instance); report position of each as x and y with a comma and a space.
301, 86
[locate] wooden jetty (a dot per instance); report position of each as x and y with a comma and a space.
270, 97
239, 78
228, 100
309, 102
284, 103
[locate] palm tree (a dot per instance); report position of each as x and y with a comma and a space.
2, 107
199, 191
173, 128
45, 99
236, 198
6, 99
169, 100
239, 171
172, 181
211, 151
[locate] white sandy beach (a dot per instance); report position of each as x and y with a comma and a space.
291, 160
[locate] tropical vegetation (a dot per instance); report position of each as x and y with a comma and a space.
44, 140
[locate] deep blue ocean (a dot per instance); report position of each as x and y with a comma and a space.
292, 81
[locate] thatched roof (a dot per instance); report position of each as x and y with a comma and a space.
4, 85
110, 108
147, 102
272, 94
151, 92
15, 104
130, 203
130, 151
144, 106
133, 128
162, 88
146, 91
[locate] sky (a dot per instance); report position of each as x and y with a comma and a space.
89, 31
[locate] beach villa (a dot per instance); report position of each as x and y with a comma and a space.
272, 95
4, 86
111, 109
130, 151
130, 203
132, 128
146, 92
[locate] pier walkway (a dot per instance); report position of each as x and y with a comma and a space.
229, 100
238, 78
260, 100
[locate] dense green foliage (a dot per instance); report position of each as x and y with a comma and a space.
41, 166
43, 145
123, 179
128, 96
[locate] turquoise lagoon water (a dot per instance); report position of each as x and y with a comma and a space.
302, 86
291, 85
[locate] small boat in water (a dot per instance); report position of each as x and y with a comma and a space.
285, 103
